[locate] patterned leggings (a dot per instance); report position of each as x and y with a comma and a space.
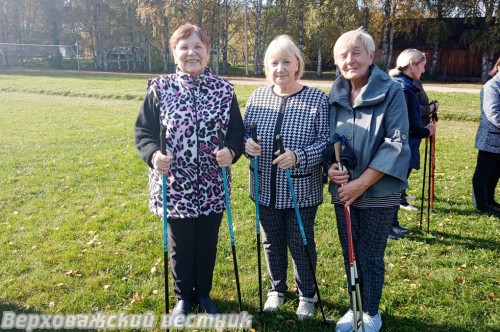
370, 230
279, 230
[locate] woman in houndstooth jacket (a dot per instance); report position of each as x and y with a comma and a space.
300, 114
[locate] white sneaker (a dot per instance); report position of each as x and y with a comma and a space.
372, 323
306, 307
408, 207
346, 323
274, 300
410, 198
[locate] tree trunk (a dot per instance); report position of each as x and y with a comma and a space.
486, 63
225, 36
319, 68
256, 51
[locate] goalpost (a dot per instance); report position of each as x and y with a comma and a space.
31, 54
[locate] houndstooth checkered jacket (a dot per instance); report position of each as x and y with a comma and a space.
302, 121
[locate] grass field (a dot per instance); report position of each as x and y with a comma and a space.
76, 235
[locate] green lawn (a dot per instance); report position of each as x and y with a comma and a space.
76, 235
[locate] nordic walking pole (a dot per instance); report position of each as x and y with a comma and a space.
423, 182
355, 291
257, 213
163, 147
279, 140
429, 195
433, 161
220, 138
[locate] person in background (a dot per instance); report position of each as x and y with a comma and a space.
300, 115
487, 173
427, 108
192, 104
368, 108
410, 66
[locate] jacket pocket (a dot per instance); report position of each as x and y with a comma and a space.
493, 138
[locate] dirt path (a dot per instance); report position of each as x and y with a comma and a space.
328, 84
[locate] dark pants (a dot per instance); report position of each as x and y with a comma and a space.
370, 229
485, 178
193, 249
279, 230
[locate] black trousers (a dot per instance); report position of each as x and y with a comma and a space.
485, 178
193, 249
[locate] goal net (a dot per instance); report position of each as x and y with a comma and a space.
39, 56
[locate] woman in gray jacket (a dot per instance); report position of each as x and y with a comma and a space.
368, 108
487, 172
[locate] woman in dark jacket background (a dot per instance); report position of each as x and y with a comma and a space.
410, 66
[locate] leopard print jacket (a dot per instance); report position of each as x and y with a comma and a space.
192, 110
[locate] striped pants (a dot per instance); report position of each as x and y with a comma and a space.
370, 230
280, 230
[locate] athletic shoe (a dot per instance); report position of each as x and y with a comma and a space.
495, 205
372, 323
407, 207
182, 307
206, 304
410, 198
489, 211
346, 323
274, 300
306, 307
393, 235
400, 230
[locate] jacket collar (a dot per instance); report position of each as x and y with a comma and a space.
371, 94
189, 81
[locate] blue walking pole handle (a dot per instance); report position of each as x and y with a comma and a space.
220, 138
256, 181
163, 147
292, 192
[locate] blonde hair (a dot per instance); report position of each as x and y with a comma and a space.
283, 45
184, 31
405, 58
348, 38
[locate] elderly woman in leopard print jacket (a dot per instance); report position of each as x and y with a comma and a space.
192, 104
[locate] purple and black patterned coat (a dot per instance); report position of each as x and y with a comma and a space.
191, 110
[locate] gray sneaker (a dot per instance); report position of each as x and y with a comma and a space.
274, 300
372, 323
346, 323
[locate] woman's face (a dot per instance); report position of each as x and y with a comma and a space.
191, 55
354, 60
283, 69
417, 69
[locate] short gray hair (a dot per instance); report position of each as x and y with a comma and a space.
349, 38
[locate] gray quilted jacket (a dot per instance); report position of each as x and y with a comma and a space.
488, 133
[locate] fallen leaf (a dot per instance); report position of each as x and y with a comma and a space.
60, 284
52, 304
106, 287
461, 280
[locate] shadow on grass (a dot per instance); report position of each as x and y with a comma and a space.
448, 239
285, 320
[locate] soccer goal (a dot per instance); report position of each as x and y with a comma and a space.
40, 56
